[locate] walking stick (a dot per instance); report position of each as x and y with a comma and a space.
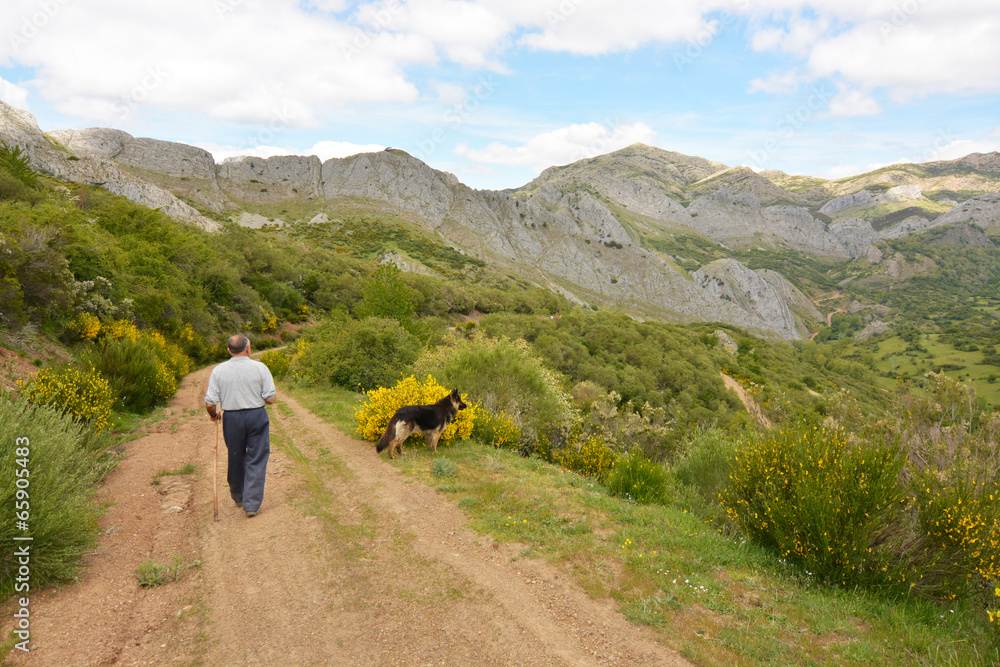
215, 473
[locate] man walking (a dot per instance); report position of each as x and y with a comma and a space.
241, 387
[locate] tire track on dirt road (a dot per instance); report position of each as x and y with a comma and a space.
348, 563
531, 607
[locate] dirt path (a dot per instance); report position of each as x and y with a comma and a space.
348, 563
751, 405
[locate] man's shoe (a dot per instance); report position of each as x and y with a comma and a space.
251, 514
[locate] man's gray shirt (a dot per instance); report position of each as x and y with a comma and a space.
240, 384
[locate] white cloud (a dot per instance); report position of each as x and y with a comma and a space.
450, 94
466, 33
853, 103
958, 148
13, 94
943, 148
331, 6
797, 36
245, 60
840, 171
777, 83
324, 150
562, 146
597, 27
909, 49
299, 62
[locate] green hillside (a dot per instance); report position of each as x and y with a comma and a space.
120, 296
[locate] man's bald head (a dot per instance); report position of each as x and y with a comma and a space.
238, 344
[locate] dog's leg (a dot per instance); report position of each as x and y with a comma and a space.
433, 438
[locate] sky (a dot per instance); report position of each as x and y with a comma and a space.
495, 91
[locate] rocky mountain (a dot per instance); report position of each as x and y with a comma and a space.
582, 229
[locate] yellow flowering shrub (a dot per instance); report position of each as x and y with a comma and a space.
120, 329
81, 393
498, 429
381, 404
165, 384
172, 356
813, 496
269, 323
961, 533
85, 326
590, 456
186, 334
143, 368
295, 365
277, 362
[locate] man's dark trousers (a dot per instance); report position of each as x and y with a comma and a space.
247, 437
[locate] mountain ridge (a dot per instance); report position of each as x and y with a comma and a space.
587, 229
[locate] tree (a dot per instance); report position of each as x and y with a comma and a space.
385, 295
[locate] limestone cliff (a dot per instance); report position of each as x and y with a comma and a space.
578, 229
104, 159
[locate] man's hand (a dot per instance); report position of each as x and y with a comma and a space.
213, 413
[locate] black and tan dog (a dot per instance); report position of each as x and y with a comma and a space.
431, 420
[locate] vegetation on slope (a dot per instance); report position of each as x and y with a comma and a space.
633, 400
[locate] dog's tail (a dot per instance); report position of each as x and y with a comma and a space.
390, 433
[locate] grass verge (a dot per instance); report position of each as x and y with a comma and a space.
718, 600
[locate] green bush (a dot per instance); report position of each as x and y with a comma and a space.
375, 352
959, 533
586, 455
385, 295
624, 426
497, 429
635, 477
703, 470
65, 459
817, 498
13, 188
139, 379
15, 161
951, 531
500, 375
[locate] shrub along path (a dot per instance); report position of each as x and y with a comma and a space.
348, 563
